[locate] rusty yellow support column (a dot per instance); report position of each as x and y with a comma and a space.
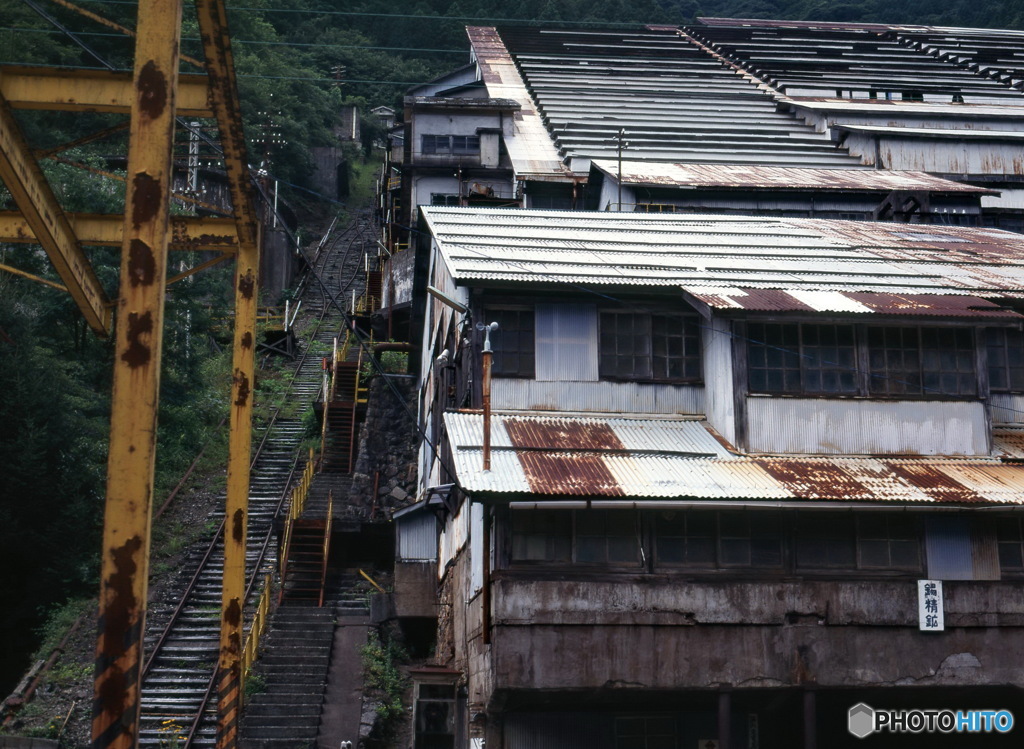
213, 30
140, 307
239, 449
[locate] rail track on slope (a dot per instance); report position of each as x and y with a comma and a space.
178, 703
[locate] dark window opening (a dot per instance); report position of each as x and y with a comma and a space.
1010, 538
645, 346
443, 198
453, 144
1005, 349
513, 342
812, 359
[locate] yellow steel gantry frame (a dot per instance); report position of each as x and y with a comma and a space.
153, 95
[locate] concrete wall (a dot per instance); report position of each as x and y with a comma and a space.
277, 264
678, 635
416, 589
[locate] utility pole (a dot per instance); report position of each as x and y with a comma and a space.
620, 139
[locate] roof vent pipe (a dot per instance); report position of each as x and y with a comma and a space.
486, 386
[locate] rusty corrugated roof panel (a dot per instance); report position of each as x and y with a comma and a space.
558, 455
807, 259
1008, 443
927, 305
780, 178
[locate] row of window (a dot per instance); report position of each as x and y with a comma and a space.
582, 342
553, 340
453, 144
763, 540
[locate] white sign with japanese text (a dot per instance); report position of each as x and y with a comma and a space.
929, 606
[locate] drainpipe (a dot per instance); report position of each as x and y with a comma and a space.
486, 385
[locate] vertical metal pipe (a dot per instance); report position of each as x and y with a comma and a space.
810, 719
724, 719
487, 408
136, 380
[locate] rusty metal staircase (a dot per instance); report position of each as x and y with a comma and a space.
343, 410
305, 545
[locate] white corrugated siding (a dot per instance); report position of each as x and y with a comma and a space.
597, 397
566, 336
1007, 408
417, 537
848, 426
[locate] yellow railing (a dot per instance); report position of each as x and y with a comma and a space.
362, 393
394, 182
298, 503
327, 544
251, 649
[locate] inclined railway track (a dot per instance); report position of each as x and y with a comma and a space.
178, 704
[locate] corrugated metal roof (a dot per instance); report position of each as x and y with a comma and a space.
934, 133
873, 61
560, 455
928, 305
787, 178
706, 254
529, 147
674, 100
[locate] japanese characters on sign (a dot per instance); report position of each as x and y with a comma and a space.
929, 606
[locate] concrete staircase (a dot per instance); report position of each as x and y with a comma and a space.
295, 666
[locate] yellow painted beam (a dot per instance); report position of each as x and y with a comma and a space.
32, 277
213, 30
107, 230
91, 90
43, 214
136, 384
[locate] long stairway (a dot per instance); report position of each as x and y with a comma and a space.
283, 709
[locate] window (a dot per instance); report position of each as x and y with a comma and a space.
921, 361
1005, 350
645, 346
686, 538
584, 537
1011, 544
513, 342
825, 541
566, 342
871, 541
435, 716
792, 358
887, 541
645, 732
542, 536
607, 537
453, 144
749, 539
443, 198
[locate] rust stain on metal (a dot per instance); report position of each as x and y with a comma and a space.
137, 353
233, 613
153, 91
243, 388
122, 609
932, 480
814, 479
247, 340
247, 285
551, 473
574, 472
146, 199
947, 305
141, 263
238, 525
562, 435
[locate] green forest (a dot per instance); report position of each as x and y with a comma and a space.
298, 62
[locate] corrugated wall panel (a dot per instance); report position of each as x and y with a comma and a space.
417, 537
597, 397
558, 731
721, 407
862, 427
948, 545
1007, 408
566, 336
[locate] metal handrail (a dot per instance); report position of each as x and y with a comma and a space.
250, 650
299, 494
327, 544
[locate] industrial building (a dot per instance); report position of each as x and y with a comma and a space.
715, 459
756, 397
